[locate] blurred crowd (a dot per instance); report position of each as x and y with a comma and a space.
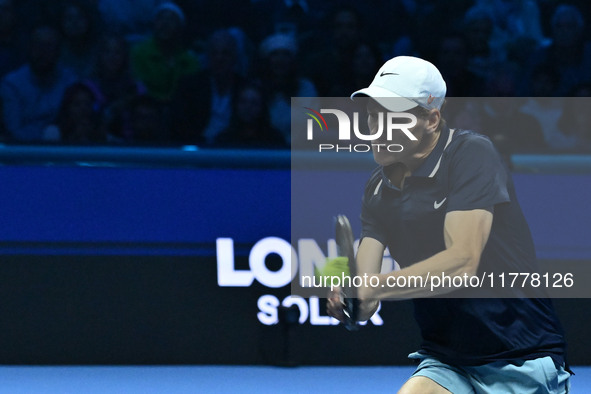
221, 73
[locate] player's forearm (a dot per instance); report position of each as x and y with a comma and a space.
369, 257
465, 234
415, 281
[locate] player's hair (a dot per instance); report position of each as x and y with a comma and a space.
423, 113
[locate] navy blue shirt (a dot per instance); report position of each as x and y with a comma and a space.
464, 172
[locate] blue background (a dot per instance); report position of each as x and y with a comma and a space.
192, 207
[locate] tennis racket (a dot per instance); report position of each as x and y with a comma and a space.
344, 240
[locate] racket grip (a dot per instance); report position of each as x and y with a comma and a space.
350, 309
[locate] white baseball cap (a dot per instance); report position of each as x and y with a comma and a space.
405, 82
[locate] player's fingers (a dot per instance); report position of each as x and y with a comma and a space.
334, 308
334, 294
337, 313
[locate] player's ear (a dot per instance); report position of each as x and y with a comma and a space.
433, 119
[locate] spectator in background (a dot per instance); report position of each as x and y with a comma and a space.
249, 125
503, 82
366, 62
203, 105
330, 64
79, 40
542, 82
453, 62
569, 52
523, 25
147, 122
207, 16
291, 17
162, 60
11, 55
245, 51
416, 23
114, 86
485, 47
32, 94
576, 118
581, 90
33, 13
281, 80
465, 113
518, 21
510, 129
545, 105
10, 48
78, 119
132, 19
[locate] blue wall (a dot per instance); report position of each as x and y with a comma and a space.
126, 207
139, 208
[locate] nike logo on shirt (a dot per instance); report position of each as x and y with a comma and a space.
437, 205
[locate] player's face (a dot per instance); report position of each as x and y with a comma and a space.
400, 148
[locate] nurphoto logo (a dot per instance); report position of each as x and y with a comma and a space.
380, 139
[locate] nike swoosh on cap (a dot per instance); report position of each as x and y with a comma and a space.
384, 73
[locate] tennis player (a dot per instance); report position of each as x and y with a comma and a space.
446, 205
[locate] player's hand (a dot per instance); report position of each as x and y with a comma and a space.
338, 266
335, 306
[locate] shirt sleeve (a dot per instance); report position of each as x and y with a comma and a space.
370, 223
478, 177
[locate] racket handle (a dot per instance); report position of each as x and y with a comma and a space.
350, 309
344, 239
